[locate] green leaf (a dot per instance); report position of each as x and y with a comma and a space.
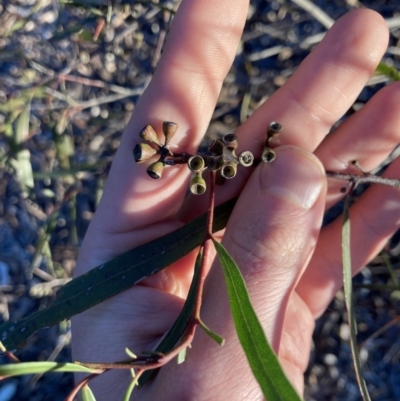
87, 394
178, 328
217, 338
29, 368
261, 357
182, 356
348, 294
115, 276
130, 388
389, 71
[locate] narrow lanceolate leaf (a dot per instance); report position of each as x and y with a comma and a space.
216, 337
28, 368
178, 328
261, 357
348, 294
389, 71
87, 394
181, 356
130, 389
113, 277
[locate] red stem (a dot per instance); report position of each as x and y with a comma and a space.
79, 386
207, 248
186, 340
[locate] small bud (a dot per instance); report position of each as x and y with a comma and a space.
169, 130
197, 185
196, 163
246, 158
228, 170
149, 134
231, 141
142, 152
268, 155
155, 170
214, 162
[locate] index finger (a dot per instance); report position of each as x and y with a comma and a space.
199, 51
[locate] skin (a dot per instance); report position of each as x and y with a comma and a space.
292, 268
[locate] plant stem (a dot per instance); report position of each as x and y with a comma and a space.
150, 362
71, 396
366, 178
207, 248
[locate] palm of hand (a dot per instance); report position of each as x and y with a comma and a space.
292, 268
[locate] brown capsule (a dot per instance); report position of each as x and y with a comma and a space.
214, 162
155, 170
231, 141
197, 185
246, 158
196, 163
229, 170
142, 152
149, 134
268, 155
169, 130
274, 128
216, 147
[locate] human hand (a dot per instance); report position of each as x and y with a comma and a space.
292, 268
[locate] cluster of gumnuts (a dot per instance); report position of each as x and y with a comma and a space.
220, 157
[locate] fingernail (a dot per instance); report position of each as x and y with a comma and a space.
294, 176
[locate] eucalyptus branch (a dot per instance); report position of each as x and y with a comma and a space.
71, 396
156, 359
365, 178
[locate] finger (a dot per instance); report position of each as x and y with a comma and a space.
318, 94
270, 235
368, 137
199, 51
296, 340
373, 220
326, 84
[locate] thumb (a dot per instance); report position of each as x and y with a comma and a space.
271, 235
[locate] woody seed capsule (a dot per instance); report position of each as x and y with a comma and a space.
197, 185
268, 155
216, 147
246, 158
274, 128
149, 134
228, 170
142, 152
196, 163
214, 162
169, 130
155, 169
231, 141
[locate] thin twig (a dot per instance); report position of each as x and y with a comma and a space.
320, 15
155, 361
96, 83
207, 248
364, 179
378, 332
71, 396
